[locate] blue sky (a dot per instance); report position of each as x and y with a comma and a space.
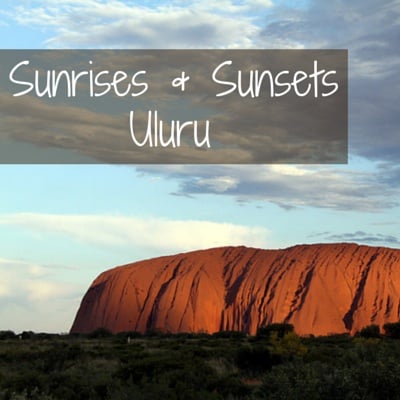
60, 226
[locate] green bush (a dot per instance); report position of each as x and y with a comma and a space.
255, 360
370, 331
276, 329
392, 330
229, 334
289, 346
100, 333
4, 335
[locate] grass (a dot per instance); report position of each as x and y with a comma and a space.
272, 366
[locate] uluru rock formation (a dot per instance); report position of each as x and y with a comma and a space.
320, 289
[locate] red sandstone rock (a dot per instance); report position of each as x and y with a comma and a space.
320, 289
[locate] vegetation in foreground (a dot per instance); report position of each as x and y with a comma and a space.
275, 364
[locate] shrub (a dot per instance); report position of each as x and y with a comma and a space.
392, 330
255, 360
370, 331
277, 329
100, 333
229, 335
4, 335
289, 346
27, 335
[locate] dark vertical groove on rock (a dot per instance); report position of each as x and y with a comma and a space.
348, 318
301, 293
163, 288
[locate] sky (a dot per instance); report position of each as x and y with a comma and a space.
61, 225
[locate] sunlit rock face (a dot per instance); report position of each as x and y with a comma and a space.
320, 289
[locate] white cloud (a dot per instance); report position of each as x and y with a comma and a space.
260, 3
189, 24
159, 234
30, 280
32, 297
291, 170
218, 184
39, 290
339, 188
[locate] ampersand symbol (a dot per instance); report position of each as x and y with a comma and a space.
180, 81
